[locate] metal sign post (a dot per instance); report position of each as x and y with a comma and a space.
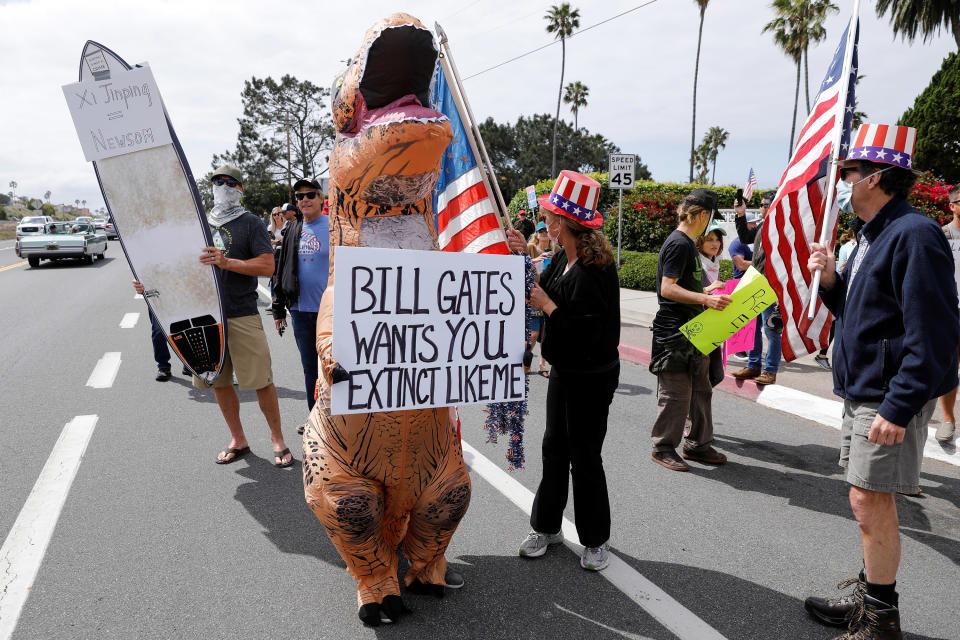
622, 170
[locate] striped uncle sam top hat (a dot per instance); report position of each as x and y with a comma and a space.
575, 196
884, 144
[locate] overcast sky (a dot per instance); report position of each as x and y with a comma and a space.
638, 67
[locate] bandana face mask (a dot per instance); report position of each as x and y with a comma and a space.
225, 196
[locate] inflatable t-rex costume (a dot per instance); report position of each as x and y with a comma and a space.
379, 480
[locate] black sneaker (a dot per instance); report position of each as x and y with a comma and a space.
163, 375
836, 612
874, 620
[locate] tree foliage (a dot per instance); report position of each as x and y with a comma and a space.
271, 110
521, 156
575, 95
910, 17
936, 116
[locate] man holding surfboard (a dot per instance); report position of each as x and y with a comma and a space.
302, 273
242, 252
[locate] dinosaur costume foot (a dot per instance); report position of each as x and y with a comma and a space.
423, 589
388, 611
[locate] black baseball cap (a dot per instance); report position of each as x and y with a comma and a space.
767, 198
289, 207
706, 198
305, 182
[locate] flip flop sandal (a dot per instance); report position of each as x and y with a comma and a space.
280, 454
236, 453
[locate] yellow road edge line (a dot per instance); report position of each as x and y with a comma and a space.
13, 266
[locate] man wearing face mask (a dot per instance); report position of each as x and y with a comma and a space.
242, 252
895, 352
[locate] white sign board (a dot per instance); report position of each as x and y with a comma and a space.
118, 115
417, 329
532, 197
622, 168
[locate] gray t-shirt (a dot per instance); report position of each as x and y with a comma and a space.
241, 239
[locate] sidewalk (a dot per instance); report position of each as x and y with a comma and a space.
803, 388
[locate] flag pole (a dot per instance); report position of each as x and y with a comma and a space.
835, 149
473, 133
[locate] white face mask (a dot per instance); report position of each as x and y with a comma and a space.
554, 238
844, 196
225, 196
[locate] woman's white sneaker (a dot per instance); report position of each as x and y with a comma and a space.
595, 558
536, 543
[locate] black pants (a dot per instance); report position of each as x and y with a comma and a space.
577, 409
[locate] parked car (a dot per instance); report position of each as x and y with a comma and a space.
62, 240
31, 225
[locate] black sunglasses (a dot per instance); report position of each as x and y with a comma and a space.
845, 170
230, 182
955, 202
310, 195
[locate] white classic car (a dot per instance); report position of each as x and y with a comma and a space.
62, 240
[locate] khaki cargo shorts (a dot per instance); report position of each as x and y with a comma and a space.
885, 468
247, 355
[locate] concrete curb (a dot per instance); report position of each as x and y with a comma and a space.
799, 403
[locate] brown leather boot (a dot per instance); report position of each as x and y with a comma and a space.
766, 378
746, 374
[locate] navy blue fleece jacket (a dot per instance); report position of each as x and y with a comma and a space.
898, 325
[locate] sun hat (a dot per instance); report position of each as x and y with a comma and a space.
574, 196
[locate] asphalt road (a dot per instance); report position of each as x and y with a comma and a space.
156, 541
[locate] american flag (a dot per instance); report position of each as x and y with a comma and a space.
751, 183
466, 217
796, 217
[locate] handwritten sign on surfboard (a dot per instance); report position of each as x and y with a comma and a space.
119, 114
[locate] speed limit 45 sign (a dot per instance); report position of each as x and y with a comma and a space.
622, 167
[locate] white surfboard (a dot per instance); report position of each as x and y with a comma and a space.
157, 211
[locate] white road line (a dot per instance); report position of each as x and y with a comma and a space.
129, 320
106, 371
26, 544
830, 413
671, 614
264, 292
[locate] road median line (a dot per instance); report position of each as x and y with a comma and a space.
22, 552
655, 601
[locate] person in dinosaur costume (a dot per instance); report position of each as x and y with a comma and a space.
380, 480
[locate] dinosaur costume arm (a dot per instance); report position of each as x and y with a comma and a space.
325, 334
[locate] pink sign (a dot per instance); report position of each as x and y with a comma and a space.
742, 340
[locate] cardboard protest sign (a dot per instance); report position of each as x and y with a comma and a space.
417, 329
711, 328
117, 115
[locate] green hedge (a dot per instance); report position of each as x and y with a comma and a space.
639, 270
649, 209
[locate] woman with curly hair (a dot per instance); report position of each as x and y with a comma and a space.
579, 295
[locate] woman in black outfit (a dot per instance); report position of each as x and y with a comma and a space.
579, 294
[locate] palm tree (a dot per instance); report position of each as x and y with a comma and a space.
576, 96
696, 72
84, 203
924, 16
787, 36
813, 17
561, 21
46, 196
716, 139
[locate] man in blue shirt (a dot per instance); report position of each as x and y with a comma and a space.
302, 274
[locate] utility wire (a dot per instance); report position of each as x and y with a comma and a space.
524, 55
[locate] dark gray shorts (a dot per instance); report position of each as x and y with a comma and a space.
885, 468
